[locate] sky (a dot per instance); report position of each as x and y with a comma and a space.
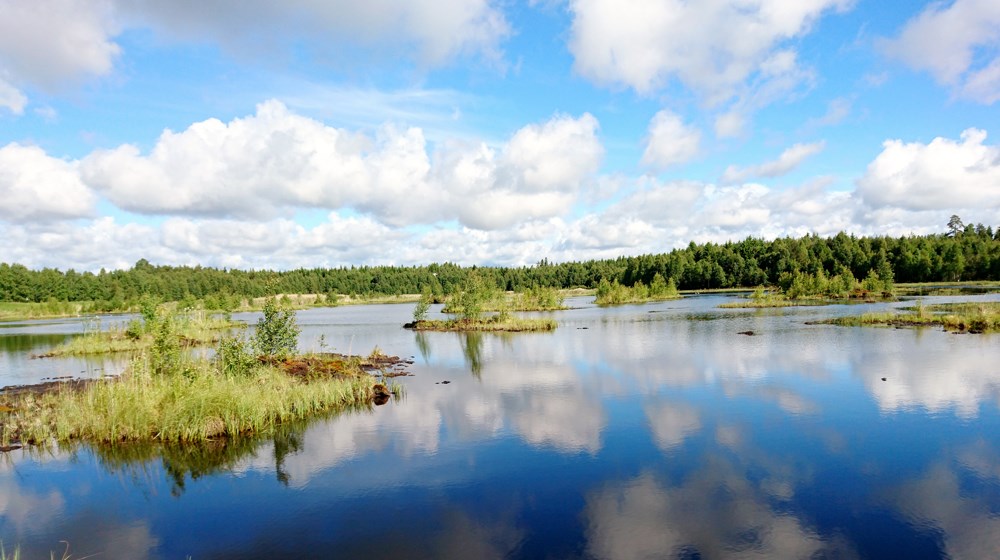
325, 133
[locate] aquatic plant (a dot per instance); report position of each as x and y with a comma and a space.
962, 317
613, 293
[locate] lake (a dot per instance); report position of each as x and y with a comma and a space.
641, 431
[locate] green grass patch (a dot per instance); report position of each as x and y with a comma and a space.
774, 300
197, 403
194, 329
495, 323
961, 317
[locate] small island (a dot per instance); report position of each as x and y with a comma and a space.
971, 318
249, 387
799, 289
475, 300
613, 293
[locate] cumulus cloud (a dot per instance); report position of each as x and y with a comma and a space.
435, 30
711, 47
958, 44
263, 165
941, 174
670, 142
789, 159
35, 186
48, 43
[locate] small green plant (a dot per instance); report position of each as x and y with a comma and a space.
277, 332
423, 306
165, 353
234, 357
135, 329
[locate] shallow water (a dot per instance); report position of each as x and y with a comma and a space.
641, 431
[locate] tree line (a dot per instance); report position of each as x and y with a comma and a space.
964, 253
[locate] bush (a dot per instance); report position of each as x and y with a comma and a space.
165, 354
234, 357
277, 332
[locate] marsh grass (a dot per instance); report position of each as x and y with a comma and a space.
761, 298
532, 299
196, 404
194, 329
494, 323
959, 317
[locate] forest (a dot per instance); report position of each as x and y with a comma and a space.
963, 253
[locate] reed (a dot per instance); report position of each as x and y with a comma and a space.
194, 329
198, 403
495, 323
961, 317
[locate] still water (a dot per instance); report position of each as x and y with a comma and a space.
648, 431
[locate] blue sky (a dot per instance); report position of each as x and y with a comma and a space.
319, 133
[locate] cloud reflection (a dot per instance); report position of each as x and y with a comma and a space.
715, 513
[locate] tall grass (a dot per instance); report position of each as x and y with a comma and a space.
961, 317
495, 323
194, 328
197, 404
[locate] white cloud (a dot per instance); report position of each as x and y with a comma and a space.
670, 142
35, 186
11, 98
434, 30
730, 124
789, 159
46, 43
710, 46
557, 155
943, 174
837, 110
265, 165
958, 43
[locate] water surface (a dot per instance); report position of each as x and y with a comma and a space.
643, 431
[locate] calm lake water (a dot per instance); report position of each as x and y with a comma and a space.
648, 431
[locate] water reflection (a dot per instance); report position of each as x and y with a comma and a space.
936, 502
622, 434
714, 513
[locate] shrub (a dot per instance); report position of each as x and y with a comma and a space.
423, 305
277, 332
234, 357
165, 354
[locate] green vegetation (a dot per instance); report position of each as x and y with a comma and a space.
277, 333
476, 298
613, 293
191, 329
495, 323
536, 298
169, 396
818, 289
961, 317
761, 298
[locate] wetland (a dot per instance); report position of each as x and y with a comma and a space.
644, 430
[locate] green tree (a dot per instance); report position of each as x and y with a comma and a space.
277, 331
